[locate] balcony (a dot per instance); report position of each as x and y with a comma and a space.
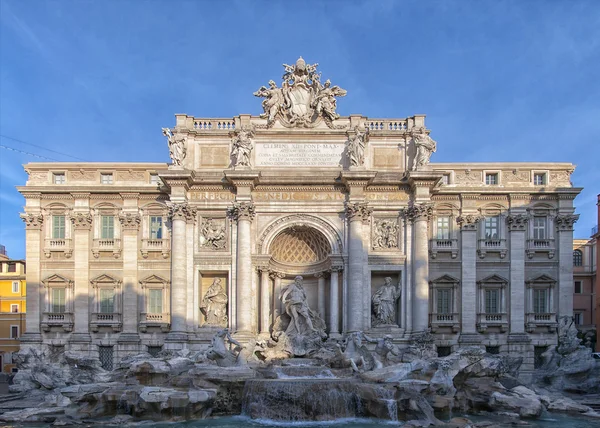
544, 320
158, 245
540, 246
162, 321
438, 321
498, 320
61, 245
109, 320
491, 245
107, 245
63, 320
443, 246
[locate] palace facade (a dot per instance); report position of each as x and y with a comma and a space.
125, 257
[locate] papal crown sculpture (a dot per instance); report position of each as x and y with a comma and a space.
302, 99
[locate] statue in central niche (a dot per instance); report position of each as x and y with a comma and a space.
299, 329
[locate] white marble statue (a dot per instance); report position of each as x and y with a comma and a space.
384, 304
214, 304
425, 146
325, 101
356, 147
241, 147
212, 234
219, 351
274, 100
177, 149
385, 234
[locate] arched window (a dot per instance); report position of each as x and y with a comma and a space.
577, 258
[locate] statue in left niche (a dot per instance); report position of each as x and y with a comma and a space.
241, 146
177, 148
214, 304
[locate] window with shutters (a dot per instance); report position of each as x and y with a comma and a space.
16, 287
156, 298
107, 300
58, 227
491, 228
540, 300
491, 304
540, 227
540, 304
155, 302
492, 301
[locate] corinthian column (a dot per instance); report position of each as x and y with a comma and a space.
468, 250
357, 213
419, 215
179, 213
243, 213
265, 300
130, 223
33, 240
334, 305
564, 227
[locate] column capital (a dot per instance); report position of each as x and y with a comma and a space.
182, 211
32, 221
319, 274
419, 211
358, 211
274, 275
335, 269
517, 222
565, 222
82, 221
241, 211
130, 221
468, 221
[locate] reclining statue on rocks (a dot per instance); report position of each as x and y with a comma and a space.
220, 353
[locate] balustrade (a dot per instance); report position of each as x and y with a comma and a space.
443, 245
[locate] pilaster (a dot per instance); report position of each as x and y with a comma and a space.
468, 250
82, 224
130, 224
517, 226
33, 241
564, 227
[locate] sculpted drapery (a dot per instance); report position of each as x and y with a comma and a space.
384, 304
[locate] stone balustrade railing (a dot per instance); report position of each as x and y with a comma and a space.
443, 245
540, 245
112, 320
58, 245
159, 245
438, 320
57, 319
541, 319
485, 320
160, 320
112, 244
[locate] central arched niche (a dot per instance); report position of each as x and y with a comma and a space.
300, 249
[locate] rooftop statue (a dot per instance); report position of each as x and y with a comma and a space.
177, 149
425, 146
302, 100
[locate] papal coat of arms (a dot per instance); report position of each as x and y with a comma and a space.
302, 99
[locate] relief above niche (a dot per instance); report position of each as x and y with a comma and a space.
213, 234
385, 234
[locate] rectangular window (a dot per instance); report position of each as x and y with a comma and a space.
59, 178
108, 227
107, 300
539, 227
16, 285
446, 179
106, 178
156, 227
58, 300
443, 228
491, 178
578, 287
492, 301
14, 331
155, 303
58, 227
14, 308
578, 318
539, 301
12, 267
154, 179
444, 305
491, 229
539, 178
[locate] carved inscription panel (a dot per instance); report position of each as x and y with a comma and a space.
299, 154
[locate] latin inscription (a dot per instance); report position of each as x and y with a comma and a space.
212, 196
299, 154
297, 196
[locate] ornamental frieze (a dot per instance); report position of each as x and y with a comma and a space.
81, 221
130, 221
564, 223
517, 222
32, 221
242, 211
358, 211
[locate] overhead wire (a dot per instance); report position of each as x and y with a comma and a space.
12, 149
40, 147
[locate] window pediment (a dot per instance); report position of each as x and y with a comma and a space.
541, 280
445, 280
57, 281
105, 280
493, 279
154, 281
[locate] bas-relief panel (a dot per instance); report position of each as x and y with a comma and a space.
468, 178
82, 176
385, 234
216, 156
213, 234
38, 177
131, 176
386, 158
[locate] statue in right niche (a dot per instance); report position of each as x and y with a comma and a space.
383, 304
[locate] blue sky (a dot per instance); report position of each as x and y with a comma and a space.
499, 80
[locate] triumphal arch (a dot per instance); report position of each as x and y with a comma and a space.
128, 257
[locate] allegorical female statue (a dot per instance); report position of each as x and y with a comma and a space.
177, 149
384, 304
214, 304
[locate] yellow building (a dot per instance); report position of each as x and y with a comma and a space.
12, 309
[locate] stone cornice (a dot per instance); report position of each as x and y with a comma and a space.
517, 222
242, 211
242, 178
358, 211
565, 222
419, 211
80, 195
82, 221
357, 178
32, 195
130, 195
32, 221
